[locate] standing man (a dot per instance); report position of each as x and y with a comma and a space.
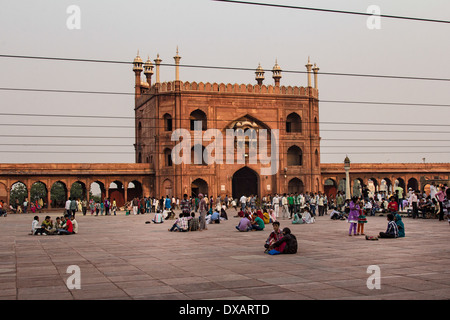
73, 207
84, 206
203, 208
185, 205
243, 202
284, 202
276, 205
67, 206
413, 201
135, 206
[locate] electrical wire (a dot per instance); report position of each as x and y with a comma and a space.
227, 68
333, 11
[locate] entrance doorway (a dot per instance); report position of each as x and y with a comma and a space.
245, 182
199, 186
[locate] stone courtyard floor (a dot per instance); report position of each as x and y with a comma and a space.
122, 257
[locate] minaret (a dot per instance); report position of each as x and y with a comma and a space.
315, 70
259, 75
157, 63
347, 178
276, 70
137, 68
148, 71
308, 69
177, 66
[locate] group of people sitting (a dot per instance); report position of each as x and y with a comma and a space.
64, 225
257, 219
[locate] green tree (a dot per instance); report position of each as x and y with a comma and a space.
38, 191
58, 195
18, 191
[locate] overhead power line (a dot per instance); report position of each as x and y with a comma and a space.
130, 152
162, 127
226, 68
225, 120
332, 11
243, 97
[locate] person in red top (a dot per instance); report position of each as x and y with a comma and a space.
68, 227
393, 205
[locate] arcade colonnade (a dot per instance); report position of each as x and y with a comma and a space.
121, 182
384, 177
125, 181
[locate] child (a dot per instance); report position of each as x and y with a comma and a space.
274, 236
361, 221
353, 216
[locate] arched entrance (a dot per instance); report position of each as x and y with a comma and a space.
3, 193
413, 184
78, 191
117, 192
134, 190
199, 186
330, 188
18, 194
58, 194
245, 182
39, 191
295, 185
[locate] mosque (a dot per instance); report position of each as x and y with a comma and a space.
292, 112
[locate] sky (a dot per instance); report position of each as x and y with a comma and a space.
230, 35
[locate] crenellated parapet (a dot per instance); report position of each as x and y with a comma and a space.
235, 88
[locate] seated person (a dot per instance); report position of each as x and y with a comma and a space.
2, 209
75, 224
241, 214
213, 218
245, 224
400, 225
274, 236
193, 222
57, 225
181, 224
306, 216
260, 214
297, 218
336, 215
223, 213
258, 223
266, 218
392, 229
67, 227
35, 228
158, 217
286, 245
272, 215
47, 224
393, 205
169, 214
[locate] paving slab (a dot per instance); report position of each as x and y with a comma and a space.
123, 257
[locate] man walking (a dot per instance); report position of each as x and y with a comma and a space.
203, 208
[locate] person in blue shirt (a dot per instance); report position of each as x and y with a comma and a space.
167, 203
215, 217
